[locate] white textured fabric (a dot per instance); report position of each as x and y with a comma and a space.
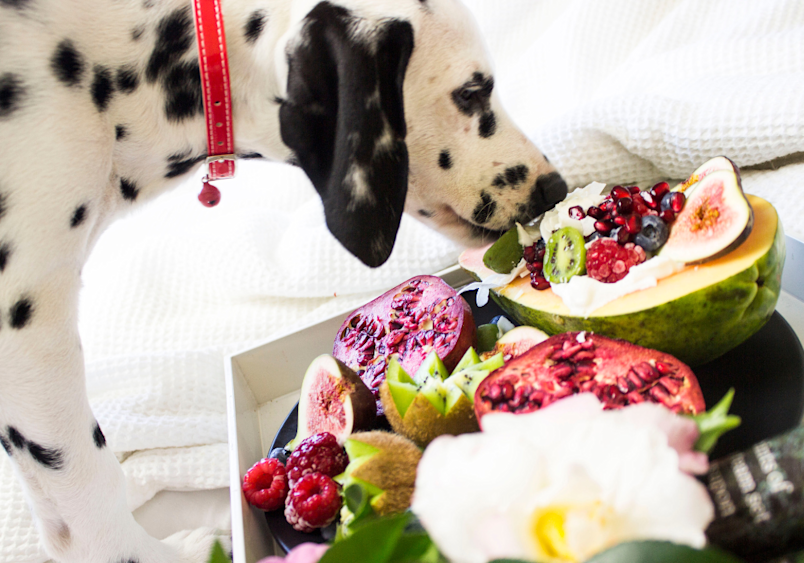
610, 90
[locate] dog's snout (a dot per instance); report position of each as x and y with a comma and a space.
552, 187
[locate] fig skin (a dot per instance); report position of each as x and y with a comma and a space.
328, 384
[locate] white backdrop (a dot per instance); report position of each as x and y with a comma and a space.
610, 90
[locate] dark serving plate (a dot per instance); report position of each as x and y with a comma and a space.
767, 372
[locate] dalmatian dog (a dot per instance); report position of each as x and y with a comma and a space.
387, 106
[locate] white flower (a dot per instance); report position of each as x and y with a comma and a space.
560, 484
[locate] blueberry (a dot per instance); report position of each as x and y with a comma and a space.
281, 454
653, 234
666, 201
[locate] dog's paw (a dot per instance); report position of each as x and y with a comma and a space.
195, 546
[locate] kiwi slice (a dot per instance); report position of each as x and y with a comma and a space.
565, 255
504, 254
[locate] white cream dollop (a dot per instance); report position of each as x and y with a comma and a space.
584, 295
558, 217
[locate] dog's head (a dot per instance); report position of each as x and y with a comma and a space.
390, 106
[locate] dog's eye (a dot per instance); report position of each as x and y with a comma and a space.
474, 95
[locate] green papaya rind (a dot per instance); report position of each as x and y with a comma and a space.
715, 319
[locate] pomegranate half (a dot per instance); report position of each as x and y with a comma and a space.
410, 320
617, 372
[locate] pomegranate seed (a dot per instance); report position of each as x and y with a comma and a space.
671, 385
495, 392
633, 189
664, 368
659, 190
621, 235
619, 220
624, 205
607, 205
576, 212
677, 200
649, 200
507, 391
595, 212
633, 224
539, 282
667, 216
646, 372
618, 192
561, 371
529, 254
624, 386
603, 227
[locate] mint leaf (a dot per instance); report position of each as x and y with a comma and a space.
715, 422
218, 555
661, 552
373, 542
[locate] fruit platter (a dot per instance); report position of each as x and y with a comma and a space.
420, 380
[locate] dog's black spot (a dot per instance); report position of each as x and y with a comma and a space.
250, 156
98, 437
120, 132
16, 438
3, 205
102, 88
485, 209
474, 95
445, 160
15, 3
78, 217
6, 445
67, 63
180, 163
129, 189
137, 32
499, 181
255, 25
49, 457
21, 313
182, 85
127, 79
488, 124
425, 213
174, 36
515, 175
5, 252
11, 93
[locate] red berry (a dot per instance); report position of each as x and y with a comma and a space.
265, 485
320, 453
313, 503
608, 262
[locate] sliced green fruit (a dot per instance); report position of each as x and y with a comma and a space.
431, 367
469, 358
696, 315
433, 390
565, 255
504, 254
487, 336
470, 377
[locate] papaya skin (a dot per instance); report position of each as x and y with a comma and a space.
695, 327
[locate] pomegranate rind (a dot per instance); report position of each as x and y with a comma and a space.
442, 303
611, 365
333, 399
716, 219
696, 315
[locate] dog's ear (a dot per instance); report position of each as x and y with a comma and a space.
344, 119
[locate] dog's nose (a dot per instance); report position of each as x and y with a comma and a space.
552, 187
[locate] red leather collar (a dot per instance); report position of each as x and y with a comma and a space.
214, 67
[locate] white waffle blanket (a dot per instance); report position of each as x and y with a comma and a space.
611, 90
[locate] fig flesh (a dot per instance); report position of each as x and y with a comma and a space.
617, 372
516, 342
411, 320
333, 399
715, 220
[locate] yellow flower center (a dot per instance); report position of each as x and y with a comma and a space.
548, 530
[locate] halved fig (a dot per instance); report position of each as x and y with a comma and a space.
715, 220
516, 342
410, 320
617, 372
333, 399
711, 165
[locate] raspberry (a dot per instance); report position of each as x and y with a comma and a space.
320, 453
265, 485
609, 262
313, 503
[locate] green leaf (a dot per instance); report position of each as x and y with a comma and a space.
414, 548
715, 422
218, 555
661, 552
373, 542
